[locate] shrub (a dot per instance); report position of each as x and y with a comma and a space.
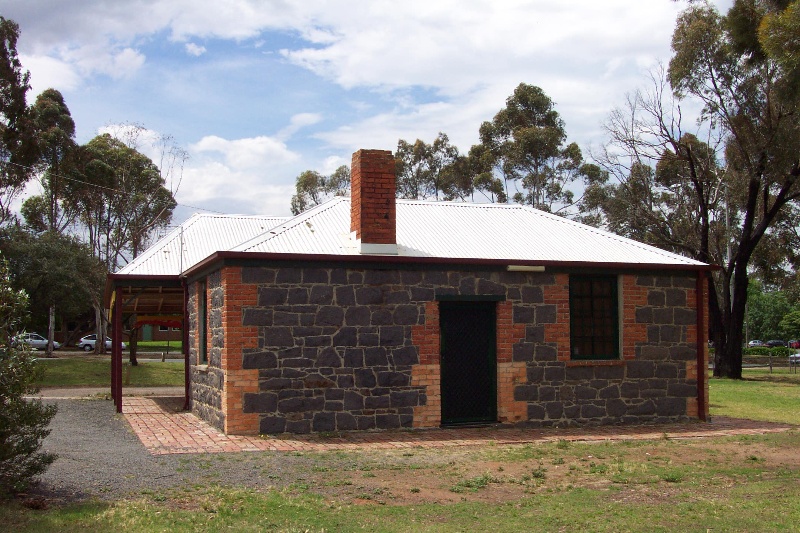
23, 423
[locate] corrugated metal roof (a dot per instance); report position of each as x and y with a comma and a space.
194, 240
463, 231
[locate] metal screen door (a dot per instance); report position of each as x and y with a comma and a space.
468, 362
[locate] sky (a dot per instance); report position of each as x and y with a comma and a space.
257, 91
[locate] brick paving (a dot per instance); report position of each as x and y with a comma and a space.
164, 428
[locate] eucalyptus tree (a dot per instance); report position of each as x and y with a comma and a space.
527, 142
720, 190
17, 148
312, 188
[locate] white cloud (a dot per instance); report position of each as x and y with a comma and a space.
247, 154
50, 72
195, 49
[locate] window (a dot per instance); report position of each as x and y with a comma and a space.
163, 328
594, 323
202, 321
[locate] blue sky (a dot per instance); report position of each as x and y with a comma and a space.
258, 91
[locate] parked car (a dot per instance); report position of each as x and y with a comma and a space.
775, 343
755, 344
88, 342
794, 359
794, 343
35, 341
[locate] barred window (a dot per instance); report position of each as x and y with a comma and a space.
594, 322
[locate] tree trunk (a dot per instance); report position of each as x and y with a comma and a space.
730, 358
100, 331
133, 340
51, 330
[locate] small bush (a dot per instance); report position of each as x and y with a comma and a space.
23, 423
778, 351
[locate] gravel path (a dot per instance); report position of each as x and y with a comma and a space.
99, 456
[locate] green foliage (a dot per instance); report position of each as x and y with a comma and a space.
765, 311
790, 324
312, 188
23, 423
778, 351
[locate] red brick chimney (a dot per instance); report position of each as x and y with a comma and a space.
372, 204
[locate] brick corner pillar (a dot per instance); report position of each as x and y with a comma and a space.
237, 381
373, 215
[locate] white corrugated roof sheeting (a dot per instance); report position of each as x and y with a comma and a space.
463, 231
194, 240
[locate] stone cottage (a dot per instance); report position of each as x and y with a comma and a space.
373, 313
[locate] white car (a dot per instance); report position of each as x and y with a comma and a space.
794, 359
87, 343
35, 341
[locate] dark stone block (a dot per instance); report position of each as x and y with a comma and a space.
333, 406
489, 287
324, 422
666, 371
346, 336
288, 275
670, 333
670, 406
609, 392
406, 315
616, 407
656, 298
369, 296
365, 422
467, 286
272, 425
534, 333
354, 357
526, 393
644, 315
609, 372
535, 374
377, 402
547, 393
404, 398
271, 296
536, 411
316, 275
662, 315
317, 341
259, 403
345, 382
398, 297
653, 353
676, 297
546, 314
684, 282
368, 338
334, 394
682, 390
387, 421
555, 374
579, 373
338, 276
256, 317
381, 277
682, 353
381, 317
685, 317
300, 404
252, 360
357, 316
300, 427
298, 362
278, 336
640, 369
258, 275
523, 352
345, 422
297, 296
585, 393
523, 314
375, 356
330, 315
654, 334
435, 277
544, 353
289, 353
282, 318
317, 381
365, 378
645, 281
590, 411
554, 410
345, 296
321, 295
532, 295
406, 356
392, 336
422, 294
393, 379
353, 401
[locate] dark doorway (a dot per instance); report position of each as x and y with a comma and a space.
468, 362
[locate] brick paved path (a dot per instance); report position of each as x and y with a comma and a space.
164, 429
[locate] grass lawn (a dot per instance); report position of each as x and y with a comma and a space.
172, 347
746, 483
94, 371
